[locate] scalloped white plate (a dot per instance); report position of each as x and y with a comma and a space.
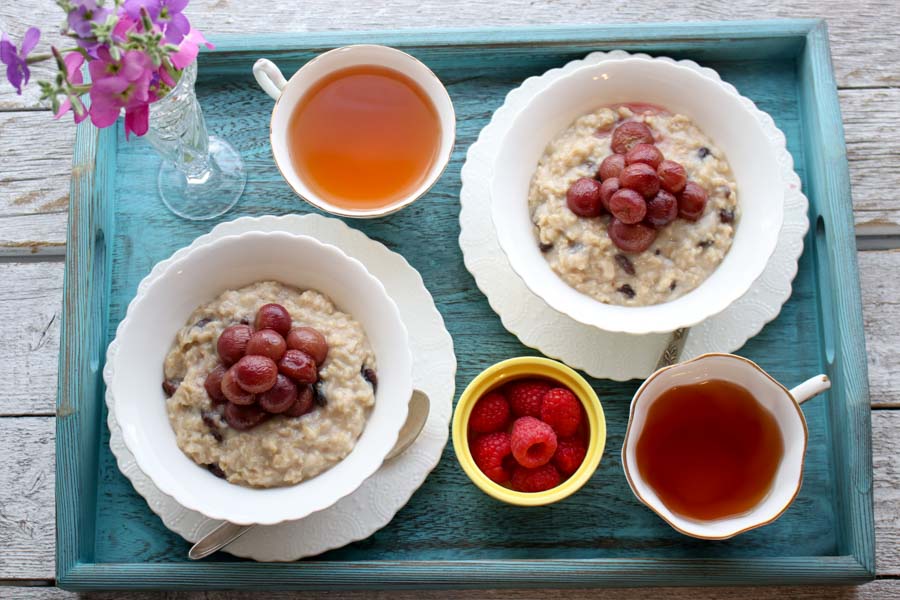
380, 497
599, 353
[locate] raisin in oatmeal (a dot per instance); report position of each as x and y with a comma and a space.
274, 449
683, 252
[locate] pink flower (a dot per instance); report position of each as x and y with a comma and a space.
188, 49
121, 84
73, 62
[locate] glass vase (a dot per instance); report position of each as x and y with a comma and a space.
201, 176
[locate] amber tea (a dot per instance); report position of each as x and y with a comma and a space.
709, 450
364, 137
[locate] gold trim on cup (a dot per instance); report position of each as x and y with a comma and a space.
653, 508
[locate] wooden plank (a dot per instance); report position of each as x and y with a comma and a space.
877, 590
873, 152
30, 304
881, 315
862, 34
26, 498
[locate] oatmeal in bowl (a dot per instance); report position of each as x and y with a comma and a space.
286, 376
269, 385
637, 195
633, 205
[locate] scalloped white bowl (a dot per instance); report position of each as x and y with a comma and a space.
726, 117
162, 306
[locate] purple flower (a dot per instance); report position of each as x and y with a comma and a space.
16, 61
133, 8
165, 14
73, 62
188, 49
119, 84
84, 15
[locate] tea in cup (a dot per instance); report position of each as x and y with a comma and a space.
359, 131
715, 445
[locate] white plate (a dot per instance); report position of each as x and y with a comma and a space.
600, 353
375, 503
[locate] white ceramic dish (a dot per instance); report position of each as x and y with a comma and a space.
161, 307
378, 499
287, 93
599, 353
719, 112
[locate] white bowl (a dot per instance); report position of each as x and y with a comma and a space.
163, 306
719, 113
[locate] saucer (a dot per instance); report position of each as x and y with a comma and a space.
603, 354
379, 498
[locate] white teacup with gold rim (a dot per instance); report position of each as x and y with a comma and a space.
359, 131
715, 445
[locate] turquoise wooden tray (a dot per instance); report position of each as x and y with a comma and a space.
450, 534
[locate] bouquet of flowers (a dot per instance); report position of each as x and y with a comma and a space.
135, 51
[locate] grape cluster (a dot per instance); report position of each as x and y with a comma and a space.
268, 369
639, 187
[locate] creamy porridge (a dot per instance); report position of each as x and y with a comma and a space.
683, 252
270, 449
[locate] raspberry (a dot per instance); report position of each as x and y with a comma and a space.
535, 480
569, 455
533, 442
561, 410
490, 413
489, 451
525, 397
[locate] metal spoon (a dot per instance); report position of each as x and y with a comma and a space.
674, 346
227, 532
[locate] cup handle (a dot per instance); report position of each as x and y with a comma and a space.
269, 77
810, 388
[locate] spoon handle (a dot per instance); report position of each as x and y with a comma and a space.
673, 349
224, 534
218, 538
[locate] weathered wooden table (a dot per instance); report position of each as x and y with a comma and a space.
35, 167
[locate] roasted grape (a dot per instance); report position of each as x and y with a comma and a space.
691, 201
243, 418
280, 397
641, 178
628, 135
299, 366
304, 402
213, 385
607, 189
235, 393
583, 197
631, 238
232, 343
628, 206
309, 340
672, 176
610, 167
644, 153
273, 316
255, 373
662, 209
268, 343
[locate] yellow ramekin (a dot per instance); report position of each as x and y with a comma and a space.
519, 368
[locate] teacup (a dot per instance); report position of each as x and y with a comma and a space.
288, 93
782, 403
